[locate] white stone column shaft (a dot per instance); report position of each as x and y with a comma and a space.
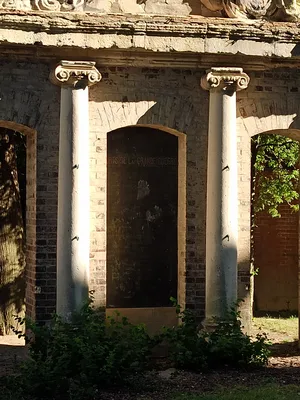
80, 226
222, 195
73, 231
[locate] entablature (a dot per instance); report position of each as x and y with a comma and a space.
143, 39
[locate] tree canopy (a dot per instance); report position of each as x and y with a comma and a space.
275, 173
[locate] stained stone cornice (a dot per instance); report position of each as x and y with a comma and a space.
116, 39
151, 25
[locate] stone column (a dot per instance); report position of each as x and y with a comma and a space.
222, 197
73, 231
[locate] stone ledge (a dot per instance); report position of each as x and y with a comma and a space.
194, 36
51, 22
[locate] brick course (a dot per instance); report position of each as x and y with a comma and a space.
276, 256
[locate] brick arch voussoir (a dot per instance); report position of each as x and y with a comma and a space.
268, 116
174, 115
14, 126
169, 114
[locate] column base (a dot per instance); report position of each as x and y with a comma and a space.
209, 324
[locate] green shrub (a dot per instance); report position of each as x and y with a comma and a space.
226, 345
76, 359
229, 346
70, 360
187, 349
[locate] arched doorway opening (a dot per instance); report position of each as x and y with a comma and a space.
145, 223
14, 161
275, 225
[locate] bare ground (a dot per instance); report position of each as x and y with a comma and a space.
12, 351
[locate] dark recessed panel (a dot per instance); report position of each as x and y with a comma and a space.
142, 201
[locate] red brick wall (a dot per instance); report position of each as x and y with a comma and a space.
172, 99
30, 223
276, 256
31, 106
46, 205
128, 96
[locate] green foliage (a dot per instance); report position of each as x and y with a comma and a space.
226, 345
76, 359
254, 272
229, 345
275, 172
187, 348
73, 360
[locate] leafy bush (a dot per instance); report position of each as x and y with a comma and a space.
74, 360
70, 360
187, 348
226, 345
229, 345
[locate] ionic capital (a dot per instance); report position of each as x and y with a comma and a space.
75, 73
228, 79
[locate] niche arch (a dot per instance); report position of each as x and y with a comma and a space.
276, 254
26, 300
256, 115
149, 157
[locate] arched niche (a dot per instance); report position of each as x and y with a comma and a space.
145, 223
26, 275
276, 254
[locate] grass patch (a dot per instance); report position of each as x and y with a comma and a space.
270, 392
278, 325
277, 329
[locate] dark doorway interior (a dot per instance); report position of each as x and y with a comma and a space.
142, 211
12, 228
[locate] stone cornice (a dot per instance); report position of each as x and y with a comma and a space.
127, 24
57, 35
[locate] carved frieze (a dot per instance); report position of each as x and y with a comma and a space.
274, 10
16, 4
43, 5
58, 5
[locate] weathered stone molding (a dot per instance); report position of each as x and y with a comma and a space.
191, 27
117, 40
229, 79
70, 73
